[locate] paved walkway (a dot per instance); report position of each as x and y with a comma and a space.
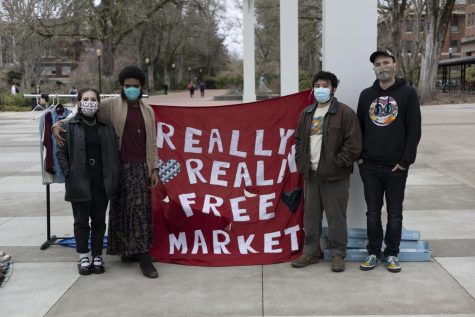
440, 202
182, 98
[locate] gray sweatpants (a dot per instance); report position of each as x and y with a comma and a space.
331, 197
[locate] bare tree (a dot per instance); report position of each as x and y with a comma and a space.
438, 14
392, 14
27, 46
268, 41
431, 16
108, 22
398, 17
185, 37
310, 35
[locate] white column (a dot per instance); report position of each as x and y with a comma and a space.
249, 89
346, 50
289, 47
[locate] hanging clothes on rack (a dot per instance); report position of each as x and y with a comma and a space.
50, 169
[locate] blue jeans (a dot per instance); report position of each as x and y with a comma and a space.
379, 181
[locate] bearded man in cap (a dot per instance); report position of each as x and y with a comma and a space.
390, 121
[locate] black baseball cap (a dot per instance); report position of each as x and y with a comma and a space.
379, 53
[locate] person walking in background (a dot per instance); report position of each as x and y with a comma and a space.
89, 160
165, 88
130, 213
40, 100
327, 143
202, 86
73, 91
35, 101
191, 88
390, 120
13, 89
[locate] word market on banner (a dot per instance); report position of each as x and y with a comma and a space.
232, 193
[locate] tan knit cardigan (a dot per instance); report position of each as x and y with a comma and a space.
114, 110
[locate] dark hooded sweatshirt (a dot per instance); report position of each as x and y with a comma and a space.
390, 122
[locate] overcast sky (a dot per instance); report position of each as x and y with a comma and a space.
231, 28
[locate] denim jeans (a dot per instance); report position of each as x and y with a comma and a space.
380, 181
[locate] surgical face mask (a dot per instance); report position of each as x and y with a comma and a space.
383, 73
89, 108
322, 94
132, 93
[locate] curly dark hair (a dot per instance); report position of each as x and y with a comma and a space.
132, 71
325, 76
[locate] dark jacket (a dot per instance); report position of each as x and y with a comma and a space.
390, 122
341, 141
72, 159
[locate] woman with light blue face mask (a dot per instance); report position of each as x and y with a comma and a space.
130, 218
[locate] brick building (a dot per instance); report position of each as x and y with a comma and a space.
468, 40
455, 33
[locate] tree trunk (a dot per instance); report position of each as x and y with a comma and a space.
108, 57
398, 14
1, 54
151, 85
429, 65
26, 77
437, 21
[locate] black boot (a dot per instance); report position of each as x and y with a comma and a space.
146, 265
129, 258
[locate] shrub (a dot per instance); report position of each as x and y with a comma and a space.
9, 102
229, 81
305, 80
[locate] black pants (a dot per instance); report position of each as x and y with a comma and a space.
379, 181
94, 209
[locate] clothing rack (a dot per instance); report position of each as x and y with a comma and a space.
38, 96
51, 239
71, 96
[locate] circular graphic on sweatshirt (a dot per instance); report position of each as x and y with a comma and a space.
383, 111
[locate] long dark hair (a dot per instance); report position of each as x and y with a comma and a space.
84, 90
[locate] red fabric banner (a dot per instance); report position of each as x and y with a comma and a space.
237, 199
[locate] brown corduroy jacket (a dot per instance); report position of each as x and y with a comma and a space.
341, 142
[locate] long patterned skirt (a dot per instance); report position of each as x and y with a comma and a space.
130, 213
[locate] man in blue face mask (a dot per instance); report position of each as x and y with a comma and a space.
328, 142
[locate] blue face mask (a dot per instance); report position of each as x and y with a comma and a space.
132, 93
322, 94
